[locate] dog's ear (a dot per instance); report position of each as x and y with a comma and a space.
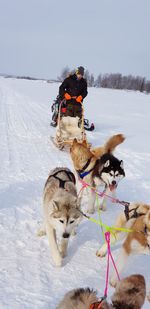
84, 142
55, 206
107, 163
121, 164
75, 141
76, 202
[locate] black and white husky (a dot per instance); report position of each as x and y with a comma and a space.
107, 172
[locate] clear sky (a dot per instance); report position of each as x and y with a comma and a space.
40, 37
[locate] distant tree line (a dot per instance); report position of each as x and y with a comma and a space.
114, 81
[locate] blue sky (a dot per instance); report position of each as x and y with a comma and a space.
40, 37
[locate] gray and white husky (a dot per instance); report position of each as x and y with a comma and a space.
61, 211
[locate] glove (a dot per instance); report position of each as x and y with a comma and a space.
79, 99
67, 96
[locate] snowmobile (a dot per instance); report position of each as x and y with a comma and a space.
67, 127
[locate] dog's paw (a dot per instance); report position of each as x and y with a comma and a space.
101, 252
113, 281
41, 233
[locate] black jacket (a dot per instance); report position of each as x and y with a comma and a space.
73, 86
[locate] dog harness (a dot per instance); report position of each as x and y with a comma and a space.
82, 173
135, 213
62, 182
96, 305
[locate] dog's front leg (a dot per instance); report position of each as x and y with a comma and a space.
103, 203
92, 197
120, 223
42, 230
63, 247
113, 194
120, 263
104, 198
53, 245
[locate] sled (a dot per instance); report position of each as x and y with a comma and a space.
68, 128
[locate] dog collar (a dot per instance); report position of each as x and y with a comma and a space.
135, 213
82, 175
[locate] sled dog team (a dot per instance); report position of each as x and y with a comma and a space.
62, 215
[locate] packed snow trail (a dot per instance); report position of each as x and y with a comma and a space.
28, 278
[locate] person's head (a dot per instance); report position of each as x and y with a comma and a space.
80, 72
130, 293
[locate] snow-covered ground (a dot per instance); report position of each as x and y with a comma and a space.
28, 278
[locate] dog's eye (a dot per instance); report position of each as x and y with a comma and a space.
116, 174
71, 221
62, 221
111, 174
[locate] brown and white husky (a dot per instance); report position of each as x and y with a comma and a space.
136, 219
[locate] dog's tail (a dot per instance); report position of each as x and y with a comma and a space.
109, 146
113, 141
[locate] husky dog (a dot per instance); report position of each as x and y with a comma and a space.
130, 293
98, 166
136, 218
61, 211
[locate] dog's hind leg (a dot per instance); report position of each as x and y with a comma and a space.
53, 245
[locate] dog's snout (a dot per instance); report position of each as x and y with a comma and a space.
113, 182
66, 235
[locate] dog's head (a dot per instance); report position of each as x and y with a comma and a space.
110, 170
130, 293
66, 214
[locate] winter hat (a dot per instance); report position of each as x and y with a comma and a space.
80, 70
